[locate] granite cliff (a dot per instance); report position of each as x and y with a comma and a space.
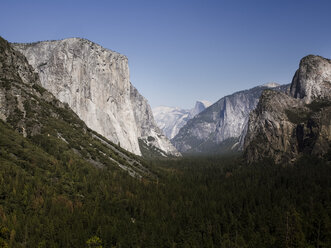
94, 82
285, 126
50, 126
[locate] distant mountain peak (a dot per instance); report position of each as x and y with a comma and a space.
206, 103
200, 105
172, 119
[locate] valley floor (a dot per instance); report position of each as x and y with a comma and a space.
53, 201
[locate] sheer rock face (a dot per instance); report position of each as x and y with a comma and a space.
94, 81
224, 121
148, 131
283, 127
313, 79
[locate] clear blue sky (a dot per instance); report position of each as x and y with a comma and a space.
181, 51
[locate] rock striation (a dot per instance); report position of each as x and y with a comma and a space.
285, 126
172, 119
95, 83
220, 127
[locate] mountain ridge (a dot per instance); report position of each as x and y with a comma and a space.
224, 121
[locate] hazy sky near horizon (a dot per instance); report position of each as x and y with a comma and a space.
185, 50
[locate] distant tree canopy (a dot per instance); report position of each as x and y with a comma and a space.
50, 198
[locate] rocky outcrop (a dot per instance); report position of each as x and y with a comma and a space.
269, 130
312, 80
94, 81
283, 127
16, 75
172, 119
219, 127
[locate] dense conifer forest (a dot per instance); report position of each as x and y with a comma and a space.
47, 200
